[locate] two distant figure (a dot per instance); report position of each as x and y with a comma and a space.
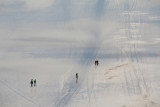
96, 63
33, 82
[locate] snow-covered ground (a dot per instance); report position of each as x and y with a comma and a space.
113, 83
52, 40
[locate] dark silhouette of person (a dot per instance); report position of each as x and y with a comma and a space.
35, 82
96, 62
76, 77
31, 82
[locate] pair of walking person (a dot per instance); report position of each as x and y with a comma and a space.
96, 62
33, 82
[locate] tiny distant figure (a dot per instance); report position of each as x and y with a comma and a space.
35, 82
96, 62
76, 77
31, 82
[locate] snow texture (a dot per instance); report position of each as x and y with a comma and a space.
53, 40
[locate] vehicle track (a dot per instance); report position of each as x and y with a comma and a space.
19, 93
73, 88
132, 53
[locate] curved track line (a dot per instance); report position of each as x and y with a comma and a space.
19, 94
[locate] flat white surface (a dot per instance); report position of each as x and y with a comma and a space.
52, 40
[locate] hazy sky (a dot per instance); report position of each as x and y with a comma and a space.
50, 27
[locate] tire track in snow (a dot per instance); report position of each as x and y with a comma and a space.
19, 94
91, 88
129, 17
73, 88
129, 50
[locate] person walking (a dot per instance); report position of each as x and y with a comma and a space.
76, 77
35, 82
96, 62
31, 82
